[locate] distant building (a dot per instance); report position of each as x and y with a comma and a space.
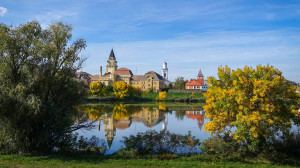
150, 80
198, 84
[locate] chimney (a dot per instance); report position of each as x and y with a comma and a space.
100, 71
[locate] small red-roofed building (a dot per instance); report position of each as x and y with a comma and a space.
197, 84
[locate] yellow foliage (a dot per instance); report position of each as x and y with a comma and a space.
120, 89
252, 101
162, 95
120, 112
162, 106
95, 88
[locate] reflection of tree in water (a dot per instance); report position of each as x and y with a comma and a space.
121, 116
179, 114
93, 112
120, 111
162, 106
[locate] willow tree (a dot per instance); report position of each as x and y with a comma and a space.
258, 103
38, 93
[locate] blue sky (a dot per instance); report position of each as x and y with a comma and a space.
189, 35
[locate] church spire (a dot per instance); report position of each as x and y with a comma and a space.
112, 54
200, 74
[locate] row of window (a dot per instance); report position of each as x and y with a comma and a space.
137, 83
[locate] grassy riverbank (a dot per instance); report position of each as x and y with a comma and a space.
151, 97
85, 160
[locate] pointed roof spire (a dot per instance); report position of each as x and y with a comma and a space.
109, 143
200, 74
112, 54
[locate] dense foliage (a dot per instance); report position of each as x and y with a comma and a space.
179, 83
96, 88
162, 95
153, 142
121, 89
259, 103
38, 93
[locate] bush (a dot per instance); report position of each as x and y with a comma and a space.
162, 95
134, 92
152, 142
82, 145
225, 148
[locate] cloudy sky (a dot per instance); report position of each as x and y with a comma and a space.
188, 34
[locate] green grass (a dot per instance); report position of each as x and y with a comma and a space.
84, 160
181, 97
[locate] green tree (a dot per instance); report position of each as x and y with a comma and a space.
179, 83
133, 91
259, 103
38, 92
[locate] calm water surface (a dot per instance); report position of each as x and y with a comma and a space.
112, 122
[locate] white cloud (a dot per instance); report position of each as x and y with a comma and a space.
2, 11
47, 18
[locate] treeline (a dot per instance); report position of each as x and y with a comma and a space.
120, 91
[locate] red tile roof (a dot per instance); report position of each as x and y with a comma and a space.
192, 83
122, 125
94, 77
154, 75
137, 77
106, 74
123, 71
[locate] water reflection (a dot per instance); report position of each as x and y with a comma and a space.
119, 118
122, 117
196, 115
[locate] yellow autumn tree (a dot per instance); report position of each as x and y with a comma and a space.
120, 89
95, 88
162, 95
258, 103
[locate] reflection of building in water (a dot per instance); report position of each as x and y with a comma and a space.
110, 130
148, 117
199, 115
165, 122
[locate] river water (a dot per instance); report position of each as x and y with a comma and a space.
112, 122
